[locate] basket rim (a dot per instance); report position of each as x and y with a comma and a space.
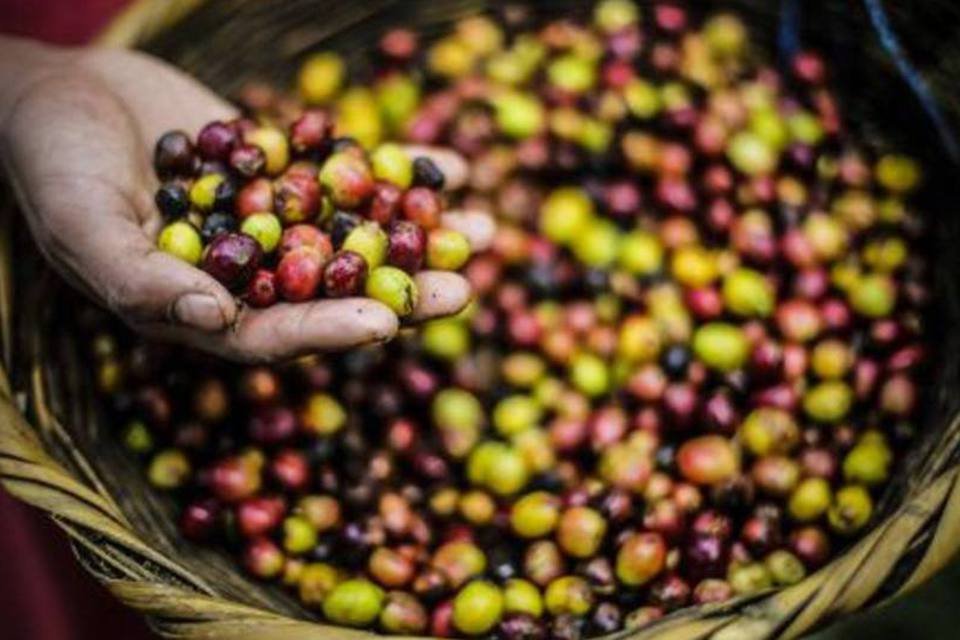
928, 521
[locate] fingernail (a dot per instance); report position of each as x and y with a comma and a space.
199, 310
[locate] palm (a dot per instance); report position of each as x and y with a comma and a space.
80, 159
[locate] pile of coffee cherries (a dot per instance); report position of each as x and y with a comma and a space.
693, 363
297, 214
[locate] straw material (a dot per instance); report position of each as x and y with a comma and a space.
58, 460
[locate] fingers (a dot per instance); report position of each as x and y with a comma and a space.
442, 293
288, 330
453, 166
478, 226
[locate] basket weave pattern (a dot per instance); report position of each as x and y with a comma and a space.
55, 461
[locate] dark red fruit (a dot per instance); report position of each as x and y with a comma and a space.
345, 275
298, 274
262, 289
705, 557
173, 155
311, 131
232, 259
385, 203
272, 425
216, 140
407, 246
247, 160
199, 520
422, 205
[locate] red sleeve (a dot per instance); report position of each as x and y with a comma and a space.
58, 21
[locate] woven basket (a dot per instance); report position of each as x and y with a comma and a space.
53, 453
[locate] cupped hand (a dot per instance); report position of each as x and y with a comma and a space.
77, 146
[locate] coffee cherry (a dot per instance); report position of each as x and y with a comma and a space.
232, 258
394, 288
298, 274
345, 275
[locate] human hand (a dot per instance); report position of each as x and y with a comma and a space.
77, 142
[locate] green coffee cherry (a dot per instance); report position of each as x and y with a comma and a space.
320, 77
897, 173
394, 288
370, 241
519, 115
805, 128
181, 240
784, 567
447, 249
265, 228
590, 375
316, 582
639, 340
565, 214
572, 73
169, 469
642, 98
770, 127
391, 163
354, 603
827, 236
809, 500
874, 295
299, 536
203, 193
694, 266
397, 96
446, 338
831, 359
747, 293
640, 253
613, 15
522, 596
569, 595
721, 346
137, 437
828, 401
851, 510
515, 414
597, 245
768, 430
749, 578
359, 117
523, 370
323, 415
751, 154
477, 608
507, 473
481, 459
867, 463
457, 408
535, 514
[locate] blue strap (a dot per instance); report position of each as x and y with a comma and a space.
915, 81
788, 32
788, 44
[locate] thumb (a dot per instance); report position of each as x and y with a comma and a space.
145, 285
